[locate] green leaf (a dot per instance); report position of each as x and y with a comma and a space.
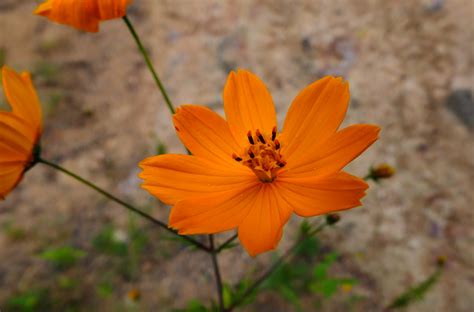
161, 148
66, 282
290, 295
105, 289
415, 293
194, 305
320, 270
63, 257
327, 287
308, 248
305, 227
106, 242
241, 288
29, 301
227, 295
180, 239
138, 239
230, 246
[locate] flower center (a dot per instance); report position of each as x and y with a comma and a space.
262, 155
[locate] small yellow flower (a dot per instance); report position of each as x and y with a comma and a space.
346, 287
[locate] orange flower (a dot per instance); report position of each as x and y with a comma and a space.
83, 14
245, 174
20, 129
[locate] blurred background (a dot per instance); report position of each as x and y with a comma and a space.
410, 67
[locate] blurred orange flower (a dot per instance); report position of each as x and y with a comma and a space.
245, 174
83, 14
20, 129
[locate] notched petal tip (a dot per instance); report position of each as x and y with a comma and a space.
7, 72
256, 252
43, 9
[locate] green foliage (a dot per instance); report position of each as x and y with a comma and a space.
106, 241
104, 289
67, 283
161, 148
325, 285
14, 233
230, 246
231, 294
303, 277
417, 292
179, 239
63, 257
47, 72
29, 301
310, 246
197, 306
126, 246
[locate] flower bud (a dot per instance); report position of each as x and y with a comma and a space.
332, 218
133, 295
441, 261
382, 171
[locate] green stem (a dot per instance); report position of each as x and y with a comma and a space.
274, 267
217, 273
149, 64
227, 243
121, 202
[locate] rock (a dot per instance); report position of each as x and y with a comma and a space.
460, 102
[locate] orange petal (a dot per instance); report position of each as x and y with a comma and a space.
248, 105
9, 153
44, 8
334, 154
312, 196
18, 141
262, 228
10, 176
22, 97
110, 9
172, 178
315, 115
206, 134
19, 125
83, 14
215, 212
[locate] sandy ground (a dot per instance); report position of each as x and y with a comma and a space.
404, 59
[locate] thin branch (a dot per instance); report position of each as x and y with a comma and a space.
122, 203
217, 273
226, 243
149, 64
286, 256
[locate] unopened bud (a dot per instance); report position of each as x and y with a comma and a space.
382, 171
332, 218
133, 295
346, 287
441, 261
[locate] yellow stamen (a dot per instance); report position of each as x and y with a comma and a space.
262, 155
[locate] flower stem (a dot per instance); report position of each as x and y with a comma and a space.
122, 203
149, 64
226, 243
273, 268
217, 273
